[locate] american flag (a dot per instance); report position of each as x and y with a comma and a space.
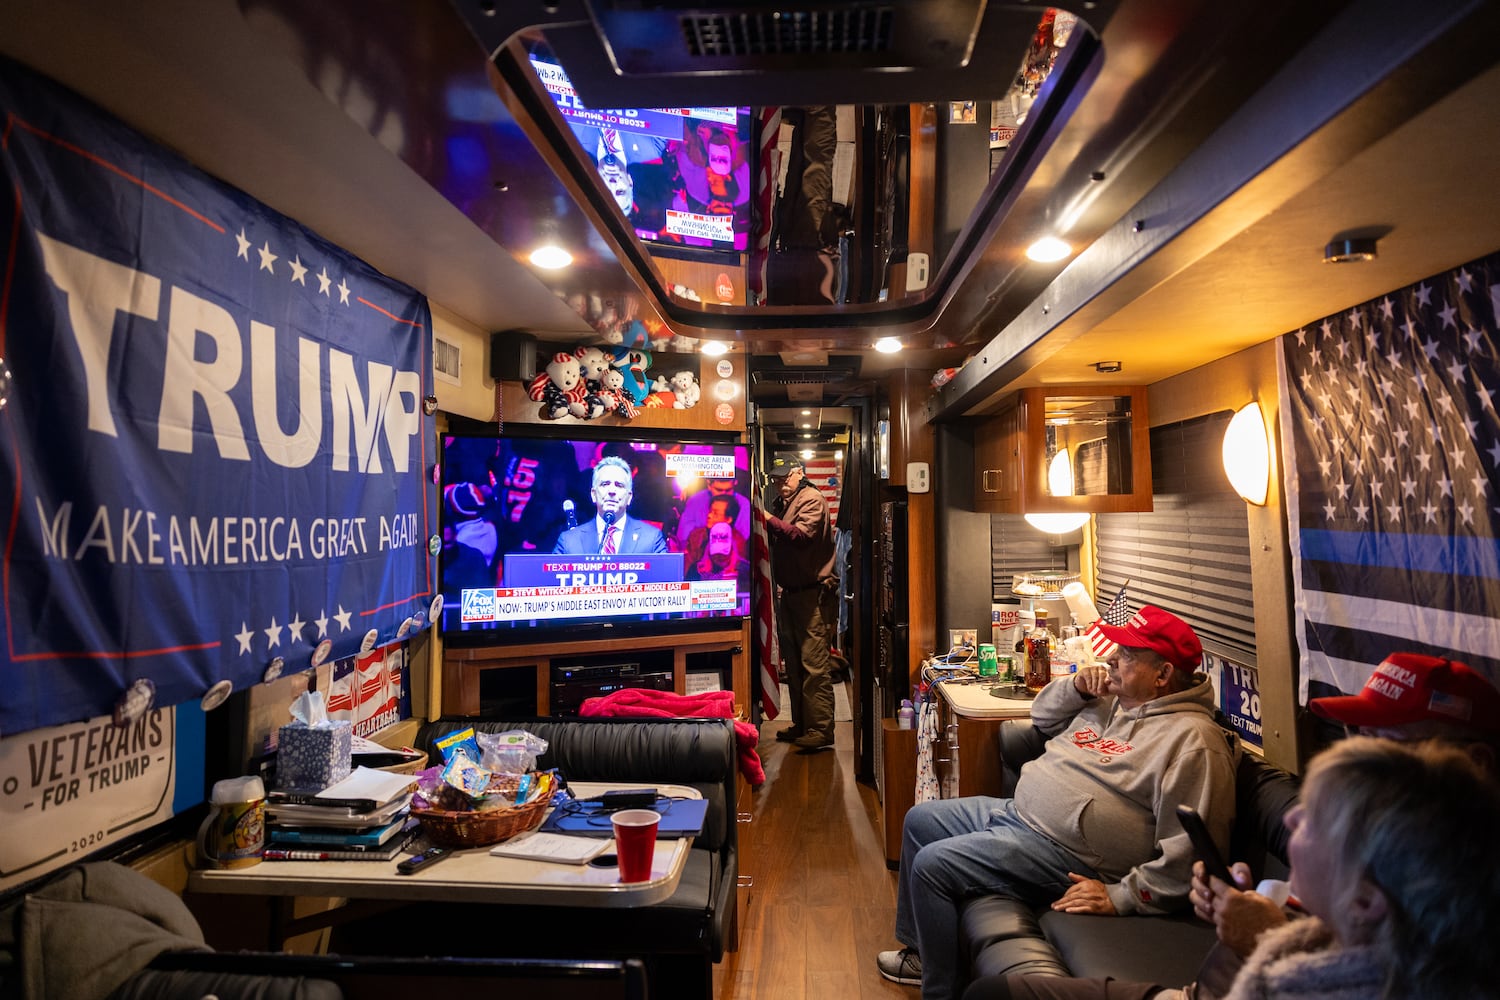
768, 656
1116, 613
823, 472
1393, 447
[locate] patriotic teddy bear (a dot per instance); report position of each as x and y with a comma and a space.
561, 388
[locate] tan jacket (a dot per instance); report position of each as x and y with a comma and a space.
802, 541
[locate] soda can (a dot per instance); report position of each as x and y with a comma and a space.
989, 666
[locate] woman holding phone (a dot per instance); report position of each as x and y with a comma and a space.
1390, 857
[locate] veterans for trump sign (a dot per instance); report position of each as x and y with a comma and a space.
213, 438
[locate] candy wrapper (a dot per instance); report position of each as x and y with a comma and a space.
313, 751
459, 741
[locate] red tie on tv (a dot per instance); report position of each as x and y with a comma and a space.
609, 540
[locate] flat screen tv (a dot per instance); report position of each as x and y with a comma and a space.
529, 522
681, 176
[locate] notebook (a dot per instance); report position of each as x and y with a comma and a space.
679, 818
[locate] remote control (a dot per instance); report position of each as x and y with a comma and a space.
417, 862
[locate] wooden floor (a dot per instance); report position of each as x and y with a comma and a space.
823, 902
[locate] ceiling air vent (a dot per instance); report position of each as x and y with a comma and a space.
773, 33
447, 361
837, 368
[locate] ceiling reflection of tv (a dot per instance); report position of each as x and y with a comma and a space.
681, 176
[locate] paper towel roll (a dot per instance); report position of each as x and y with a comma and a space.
1080, 604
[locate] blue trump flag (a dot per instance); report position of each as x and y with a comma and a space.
214, 446
1393, 459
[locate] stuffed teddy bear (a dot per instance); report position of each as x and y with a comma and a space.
561, 388
612, 391
684, 390
594, 363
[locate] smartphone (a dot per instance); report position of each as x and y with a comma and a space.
1203, 845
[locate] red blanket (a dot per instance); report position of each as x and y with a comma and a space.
636, 702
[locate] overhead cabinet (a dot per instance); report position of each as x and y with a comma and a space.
1065, 448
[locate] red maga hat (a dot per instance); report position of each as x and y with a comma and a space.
1163, 633
1414, 687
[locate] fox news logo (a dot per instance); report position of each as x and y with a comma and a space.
478, 606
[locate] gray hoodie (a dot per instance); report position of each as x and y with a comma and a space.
1108, 786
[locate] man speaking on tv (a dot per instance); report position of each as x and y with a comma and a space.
611, 532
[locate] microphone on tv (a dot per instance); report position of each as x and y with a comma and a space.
569, 511
609, 516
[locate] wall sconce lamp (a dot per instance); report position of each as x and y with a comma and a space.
1247, 454
1059, 484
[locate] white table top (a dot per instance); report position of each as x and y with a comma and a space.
970, 697
472, 875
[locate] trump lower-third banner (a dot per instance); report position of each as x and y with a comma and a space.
214, 445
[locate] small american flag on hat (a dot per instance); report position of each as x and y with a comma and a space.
1116, 613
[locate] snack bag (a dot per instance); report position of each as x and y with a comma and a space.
512, 752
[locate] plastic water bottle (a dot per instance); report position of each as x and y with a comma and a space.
906, 717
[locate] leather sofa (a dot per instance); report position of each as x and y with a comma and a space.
1004, 936
677, 939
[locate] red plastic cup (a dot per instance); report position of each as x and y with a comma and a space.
635, 842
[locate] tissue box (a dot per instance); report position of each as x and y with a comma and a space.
313, 757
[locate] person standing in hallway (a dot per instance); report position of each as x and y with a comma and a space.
802, 564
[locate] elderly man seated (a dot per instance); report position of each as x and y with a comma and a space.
1093, 825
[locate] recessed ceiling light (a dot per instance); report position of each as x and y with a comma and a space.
887, 345
1048, 249
807, 413
714, 348
807, 453
551, 257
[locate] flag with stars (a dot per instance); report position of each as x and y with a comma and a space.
212, 437
1393, 446
1116, 612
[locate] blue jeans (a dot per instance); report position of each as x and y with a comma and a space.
955, 849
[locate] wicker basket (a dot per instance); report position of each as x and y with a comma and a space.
410, 767
476, 829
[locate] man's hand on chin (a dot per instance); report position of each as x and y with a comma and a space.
1086, 895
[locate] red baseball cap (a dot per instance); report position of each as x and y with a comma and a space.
1414, 687
1163, 633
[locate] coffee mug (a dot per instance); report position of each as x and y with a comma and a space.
234, 833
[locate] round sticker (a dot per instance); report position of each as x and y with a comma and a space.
368, 642
725, 368
322, 652
723, 287
135, 702
216, 695
435, 610
405, 629
429, 405
435, 545
724, 413
726, 389
273, 670
418, 620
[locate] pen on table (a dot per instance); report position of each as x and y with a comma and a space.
272, 855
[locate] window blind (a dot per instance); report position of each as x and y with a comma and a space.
1191, 553
1017, 547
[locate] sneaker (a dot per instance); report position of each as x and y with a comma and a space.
811, 744
791, 734
903, 966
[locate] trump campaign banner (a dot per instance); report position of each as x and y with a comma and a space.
212, 437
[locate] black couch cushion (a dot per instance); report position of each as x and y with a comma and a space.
1138, 949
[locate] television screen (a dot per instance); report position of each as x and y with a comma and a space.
550, 532
681, 176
